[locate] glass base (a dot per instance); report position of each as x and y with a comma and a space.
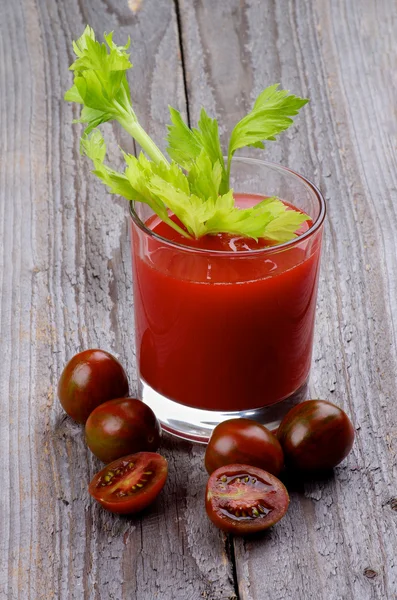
196, 425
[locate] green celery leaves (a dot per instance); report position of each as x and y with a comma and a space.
195, 185
271, 114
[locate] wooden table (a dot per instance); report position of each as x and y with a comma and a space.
65, 285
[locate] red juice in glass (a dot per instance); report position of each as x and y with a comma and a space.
224, 325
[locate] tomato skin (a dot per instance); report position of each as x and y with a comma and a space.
121, 426
142, 477
243, 441
315, 435
89, 379
242, 499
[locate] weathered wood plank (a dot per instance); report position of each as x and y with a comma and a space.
339, 538
65, 285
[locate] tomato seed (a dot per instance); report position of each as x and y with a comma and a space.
246, 479
224, 479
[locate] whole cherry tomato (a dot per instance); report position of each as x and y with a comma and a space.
241, 499
243, 441
89, 379
121, 426
315, 435
130, 484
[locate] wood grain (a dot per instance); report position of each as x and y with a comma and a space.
339, 537
65, 285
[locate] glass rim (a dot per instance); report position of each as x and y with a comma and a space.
244, 253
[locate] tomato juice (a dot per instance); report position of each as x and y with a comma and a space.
224, 323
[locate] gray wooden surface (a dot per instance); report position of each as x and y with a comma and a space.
65, 285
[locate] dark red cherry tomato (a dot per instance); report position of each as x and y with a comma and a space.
130, 484
89, 379
315, 435
241, 499
121, 426
246, 442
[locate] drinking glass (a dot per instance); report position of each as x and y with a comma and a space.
223, 334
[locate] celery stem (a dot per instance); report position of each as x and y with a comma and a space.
143, 139
175, 226
229, 164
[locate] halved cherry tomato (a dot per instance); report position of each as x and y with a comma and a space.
241, 499
89, 379
246, 442
315, 435
130, 484
122, 426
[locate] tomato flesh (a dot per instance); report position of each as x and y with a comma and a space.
243, 441
242, 499
316, 435
122, 426
130, 484
89, 379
